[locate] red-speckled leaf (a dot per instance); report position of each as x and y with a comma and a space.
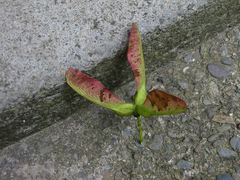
136, 60
161, 103
94, 91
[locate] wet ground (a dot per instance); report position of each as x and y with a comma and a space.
202, 143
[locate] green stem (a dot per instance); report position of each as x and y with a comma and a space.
140, 129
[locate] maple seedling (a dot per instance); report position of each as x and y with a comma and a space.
155, 103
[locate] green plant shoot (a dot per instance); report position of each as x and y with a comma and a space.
155, 103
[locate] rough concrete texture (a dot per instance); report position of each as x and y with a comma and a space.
40, 109
40, 40
202, 143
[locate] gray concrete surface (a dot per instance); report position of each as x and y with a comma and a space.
40, 40
45, 98
201, 144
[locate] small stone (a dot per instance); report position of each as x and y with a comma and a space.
145, 152
196, 56
126, 131
133, 148
224, 50
198, 148
237, 33
118, 175
236, 176
206, 102
183, 85
227, 153
235, 143
218, 71
204, 134
213, 89
217, 143
168, 148
203, 50
172, 134
146, 165
224, 177
183, 149
185, 69
1, 160
207, 150
238, 86
227, 61
213, 137
224, 128
223, 119
237, 168
157, 142
167, 156
176, 175
184, 164
136, 156
130, 93
107, 174
210, 113
189, 58
138, 144
81, 175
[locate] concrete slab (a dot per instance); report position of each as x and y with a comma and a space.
45, 98
40, 40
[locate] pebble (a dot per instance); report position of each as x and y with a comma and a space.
157, 142
224, 50
184, 164
126, 131
107, 174
223, 119
185, 69
218, 71
136, 156
217, 143
168, 148
235, 143
146, 165
210, 113
236, 176
172, 134
196, 56
206, 102
130, 93
198, 148
237, 168
203, 50
145, 152
1, 160
189, 58
238, 86
224, 177
167, 156
227, 153
138, 144
227, 61
223, 128
213, 137
81, 175
183, 85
